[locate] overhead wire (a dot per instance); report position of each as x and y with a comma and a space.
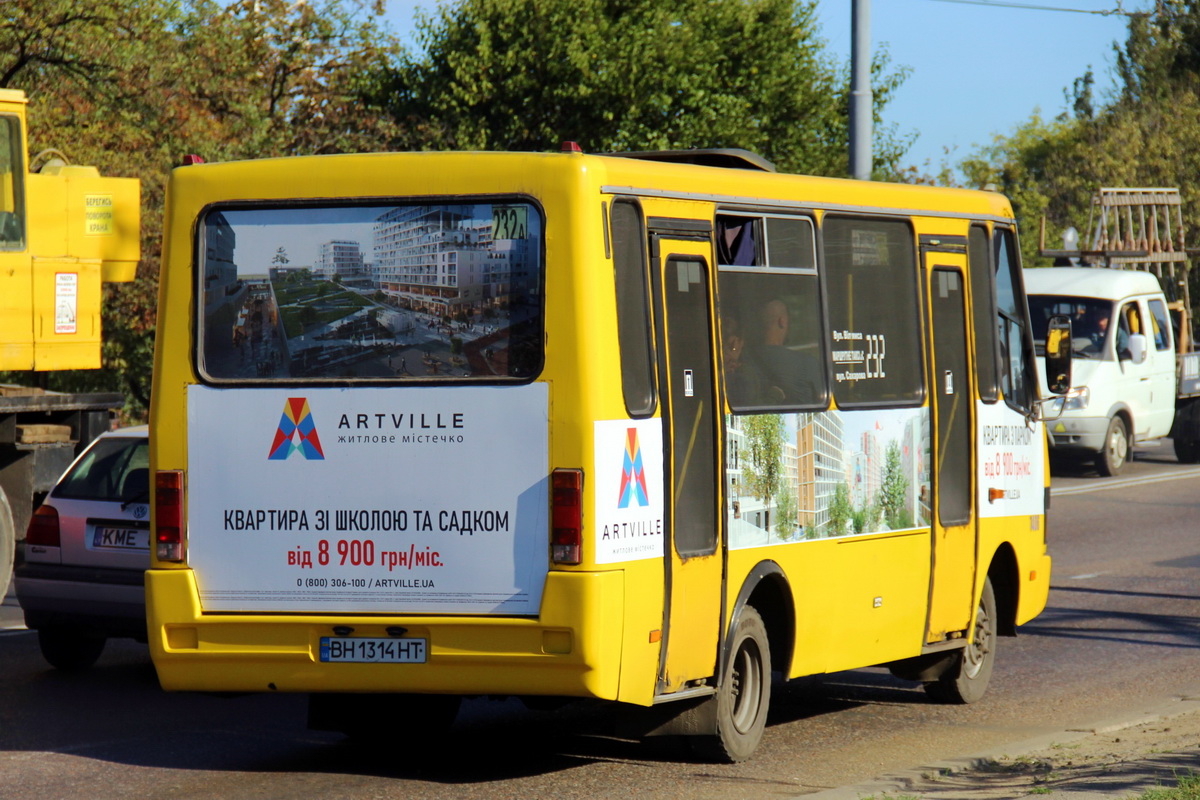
1030, 7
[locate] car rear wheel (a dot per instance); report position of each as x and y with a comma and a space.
70, 649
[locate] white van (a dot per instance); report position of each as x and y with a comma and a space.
1123, 369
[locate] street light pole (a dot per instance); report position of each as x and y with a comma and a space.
860, 91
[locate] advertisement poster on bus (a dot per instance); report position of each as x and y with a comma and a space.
794, 478
426, 500
1011, 470
629, 490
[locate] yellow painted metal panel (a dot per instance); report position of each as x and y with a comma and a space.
16, 312
75, 212
471, 655
66, 308
858, 601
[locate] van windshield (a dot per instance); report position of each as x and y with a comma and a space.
384, 293
1090, 322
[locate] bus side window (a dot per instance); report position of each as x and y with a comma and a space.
983, 311
633, 309
874, 311
772, 337
1016, 382
737, 240
772, 344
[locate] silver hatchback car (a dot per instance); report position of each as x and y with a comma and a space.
87, 550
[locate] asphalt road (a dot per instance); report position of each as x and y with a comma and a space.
1121, 633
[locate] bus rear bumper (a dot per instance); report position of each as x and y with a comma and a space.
555, 654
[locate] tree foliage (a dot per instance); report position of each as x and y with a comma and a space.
841, 511
633, 75
893, 489
130, 86
1148, 134
762, 474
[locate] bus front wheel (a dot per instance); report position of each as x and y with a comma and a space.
967, 679
743, 695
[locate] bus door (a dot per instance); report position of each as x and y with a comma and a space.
951, 593
693, 563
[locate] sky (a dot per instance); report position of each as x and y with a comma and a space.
979, 68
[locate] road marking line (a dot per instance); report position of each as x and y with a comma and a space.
1120, 483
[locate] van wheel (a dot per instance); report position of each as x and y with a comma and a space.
69, 649
967, 679
743, 695
1112, 459
1186, 451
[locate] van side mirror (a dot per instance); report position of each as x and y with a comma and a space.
1136, 347
1058, 354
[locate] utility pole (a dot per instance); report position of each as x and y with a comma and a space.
860, 91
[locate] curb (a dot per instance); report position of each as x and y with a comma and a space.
910, 781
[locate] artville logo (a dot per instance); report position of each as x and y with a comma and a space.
633, 475
297, 433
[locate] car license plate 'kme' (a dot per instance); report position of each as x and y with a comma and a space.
363, 650
111, 538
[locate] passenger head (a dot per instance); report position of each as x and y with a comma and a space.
775, 322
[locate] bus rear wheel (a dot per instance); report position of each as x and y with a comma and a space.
743, 695
967, 679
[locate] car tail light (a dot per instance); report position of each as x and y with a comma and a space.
43, 528
566, 536
168, 515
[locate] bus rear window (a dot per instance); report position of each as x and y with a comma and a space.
382, 293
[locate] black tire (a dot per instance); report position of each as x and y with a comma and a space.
744, 694
1186, 451
70, 649
967, 679
1115, 453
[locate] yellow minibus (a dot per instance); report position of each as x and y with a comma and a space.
646, 427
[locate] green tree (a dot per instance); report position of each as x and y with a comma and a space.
1148, 134
130, 86
633, 75
841, 512
762, 473
893, 488
787, 513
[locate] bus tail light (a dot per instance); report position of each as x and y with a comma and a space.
566, 536
43, 528
168, 515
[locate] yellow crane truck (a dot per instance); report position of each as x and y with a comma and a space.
64, 230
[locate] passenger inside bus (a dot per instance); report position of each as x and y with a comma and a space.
786, 374
760, 368
742, 383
